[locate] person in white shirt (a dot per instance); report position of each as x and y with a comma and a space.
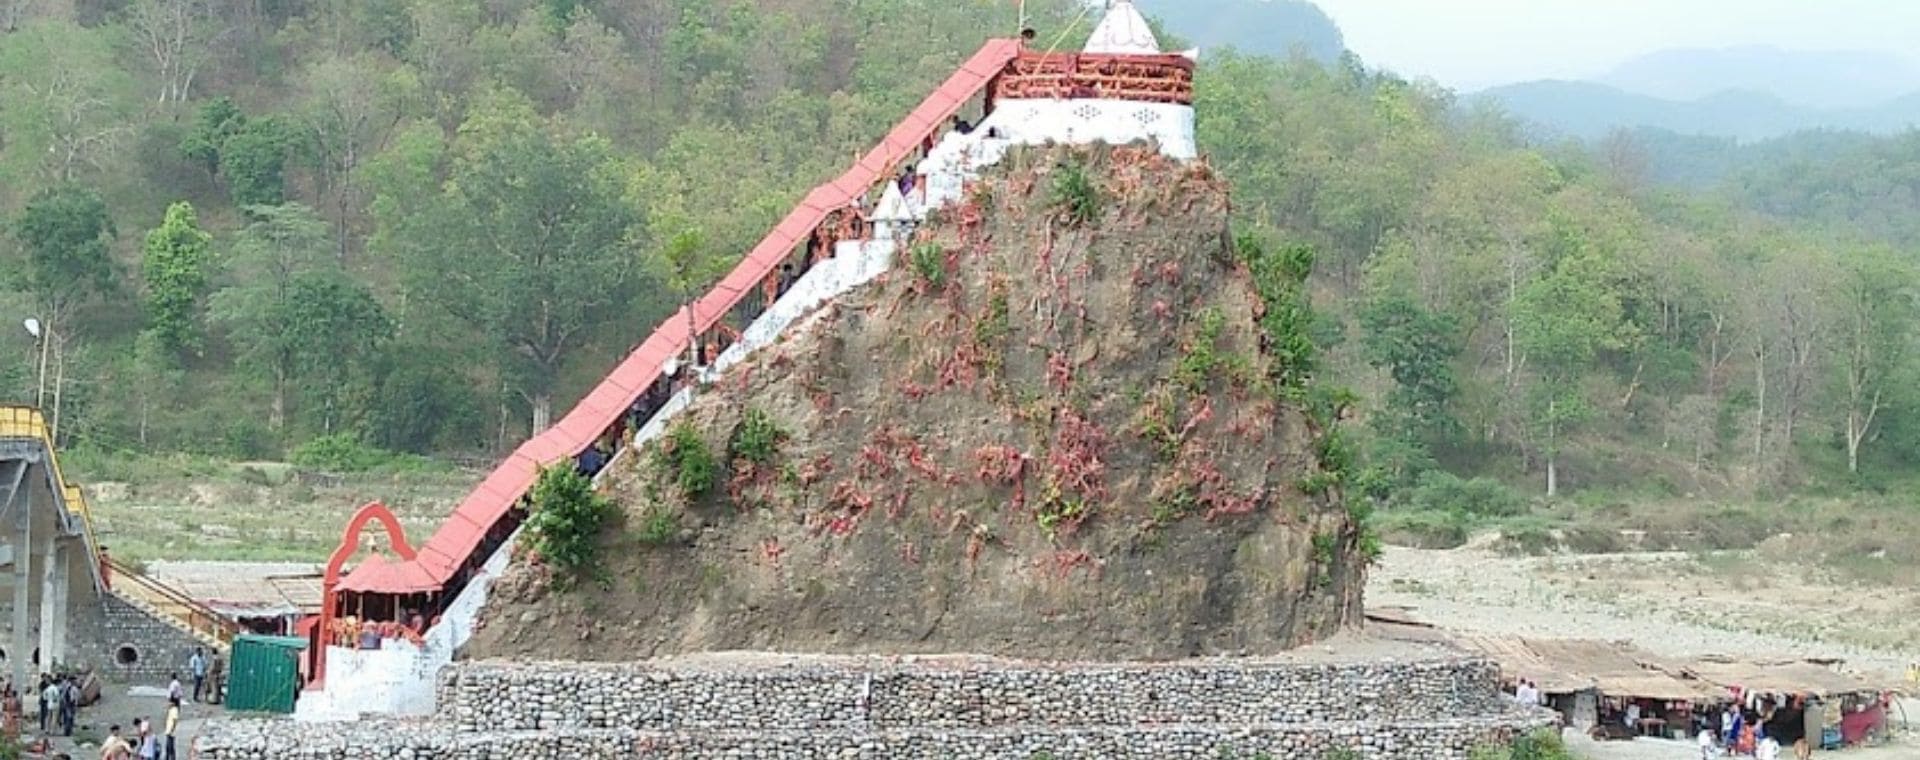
1768, 750
1632, 719
1707, 748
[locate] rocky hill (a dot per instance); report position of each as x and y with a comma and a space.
1066, 425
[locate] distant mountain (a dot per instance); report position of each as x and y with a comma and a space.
1815, 79
1701, 162
1588, 110
1271, 27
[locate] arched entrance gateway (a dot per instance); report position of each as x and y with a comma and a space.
1120, 89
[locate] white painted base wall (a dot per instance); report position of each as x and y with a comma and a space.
1083, 122
401, 680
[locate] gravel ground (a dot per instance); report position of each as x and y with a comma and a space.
1474, 590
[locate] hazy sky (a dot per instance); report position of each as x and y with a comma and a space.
1476, 43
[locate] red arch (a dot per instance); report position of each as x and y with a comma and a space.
350, 541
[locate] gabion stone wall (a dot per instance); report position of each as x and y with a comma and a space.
852, 708
956, 693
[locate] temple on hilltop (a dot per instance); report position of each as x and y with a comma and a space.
387, 626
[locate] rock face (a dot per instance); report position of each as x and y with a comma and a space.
1066, 425
946, 708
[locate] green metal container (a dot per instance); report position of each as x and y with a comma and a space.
266, 673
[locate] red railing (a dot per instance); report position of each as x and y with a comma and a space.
1144, 78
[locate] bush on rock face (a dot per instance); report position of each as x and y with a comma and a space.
567, 517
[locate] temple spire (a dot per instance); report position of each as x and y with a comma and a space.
1123, 32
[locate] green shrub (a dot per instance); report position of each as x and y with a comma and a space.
993, 324
1196, 366
1483, 497
1539, 745
687, 460
756, 439
1528, 537
660, 527
1425, 529
567, 518
929, 264
340, 452
1280, 277
243, 437
1074, 194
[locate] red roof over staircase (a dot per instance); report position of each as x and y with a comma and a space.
463, 532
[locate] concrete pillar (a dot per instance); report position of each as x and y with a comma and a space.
53, 578
62, 591
20, 654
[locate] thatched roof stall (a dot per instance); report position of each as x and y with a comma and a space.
1567, 666
1775, 677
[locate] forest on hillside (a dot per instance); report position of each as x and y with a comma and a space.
263, 227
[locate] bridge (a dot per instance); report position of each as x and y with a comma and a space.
69, 601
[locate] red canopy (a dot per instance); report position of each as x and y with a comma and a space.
379, 574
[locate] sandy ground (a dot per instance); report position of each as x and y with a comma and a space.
1666, 603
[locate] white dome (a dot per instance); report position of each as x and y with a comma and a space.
1124, 31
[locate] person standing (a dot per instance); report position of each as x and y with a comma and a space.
174, 690
69, 703
197, 665
50, 695
149, 747
173, 725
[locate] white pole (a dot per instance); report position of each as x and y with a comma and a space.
40, 395
59, 379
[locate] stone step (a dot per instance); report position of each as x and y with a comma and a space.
1424, 739
970, 695
147, 609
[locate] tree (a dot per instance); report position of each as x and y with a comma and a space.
271, 256
1875, 296
254, 160
216, 121
175, 265
1562, 321
64, 104
64, 232
1417, 348
178, 36
335, 329
155, 377
688, 266
529, 243
351, 105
